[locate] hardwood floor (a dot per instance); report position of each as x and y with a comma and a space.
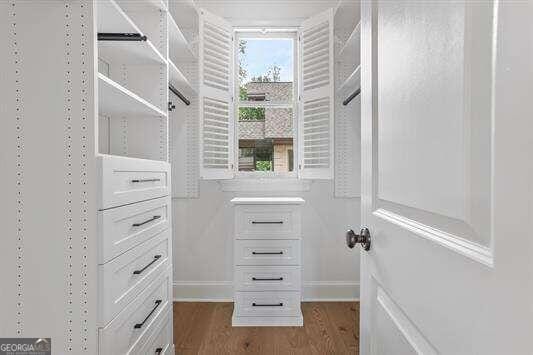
205, 328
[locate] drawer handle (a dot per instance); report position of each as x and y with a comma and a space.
147, 221
145, 180
138, 272
158, 351
267, 279
267, 222
267, 253
139, 325
267, 304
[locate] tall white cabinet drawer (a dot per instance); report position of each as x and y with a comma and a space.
124, 227
134, 324
124, 277
267, 304
269, 221
267, 252
267, 278
126, 180
160, 341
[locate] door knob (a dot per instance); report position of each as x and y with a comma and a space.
362, 238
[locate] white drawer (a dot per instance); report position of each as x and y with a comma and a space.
124, 227
126, 180
267, 252
127, 330
124, 277
268, 221
267, 304
160, 341
267, 278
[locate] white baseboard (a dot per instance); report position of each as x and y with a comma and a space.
222, 291
323, 291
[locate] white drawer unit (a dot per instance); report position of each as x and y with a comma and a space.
267, 252
269, 221
135, 323
160, 341
267, 278
267, 304
124, 227
267, 261
125, 180
124, 277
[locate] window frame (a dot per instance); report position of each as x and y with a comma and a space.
270, 33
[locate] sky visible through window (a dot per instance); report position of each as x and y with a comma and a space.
261, 54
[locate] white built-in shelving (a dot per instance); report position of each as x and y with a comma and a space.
178, 80
179, 48
351, 49
352, 83
115, 99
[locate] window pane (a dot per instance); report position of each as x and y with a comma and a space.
266, 69
266, 144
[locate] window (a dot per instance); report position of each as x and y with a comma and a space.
266, 106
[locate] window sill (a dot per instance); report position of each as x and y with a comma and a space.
265, 185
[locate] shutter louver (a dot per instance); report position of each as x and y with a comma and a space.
316, 102
216, 74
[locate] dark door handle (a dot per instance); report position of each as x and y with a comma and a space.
145, 180
138, 272
267, 253
139, 325
147, 221
267, 279
267, 304
158, 351
362, 238
267, 222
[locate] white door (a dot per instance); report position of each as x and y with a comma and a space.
447, 177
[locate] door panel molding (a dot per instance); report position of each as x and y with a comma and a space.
474, 251
409, 331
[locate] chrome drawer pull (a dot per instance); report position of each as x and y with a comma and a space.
267, 279
145, 180
267, 222
137, 272
147, 221
267, 304
139, 325
267, 253
158, 351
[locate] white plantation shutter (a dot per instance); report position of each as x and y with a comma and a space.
315, 128
216, 90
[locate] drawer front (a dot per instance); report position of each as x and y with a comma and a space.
268, 222
267, 252
267, 278
129, 180
160, 341
131, 327
124, 277
122, 228
267, 304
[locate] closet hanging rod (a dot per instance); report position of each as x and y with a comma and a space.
106, 36
179, 94
351, 97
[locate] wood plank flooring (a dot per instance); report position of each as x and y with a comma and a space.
205, 328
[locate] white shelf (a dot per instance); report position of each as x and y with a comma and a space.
114, 99
112, 19
352, 83
179, 49
352, 46
178, 80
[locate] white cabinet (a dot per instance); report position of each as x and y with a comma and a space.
267, 259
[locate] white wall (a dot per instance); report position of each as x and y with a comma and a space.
203, 254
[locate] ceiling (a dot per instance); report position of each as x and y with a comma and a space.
259, 13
